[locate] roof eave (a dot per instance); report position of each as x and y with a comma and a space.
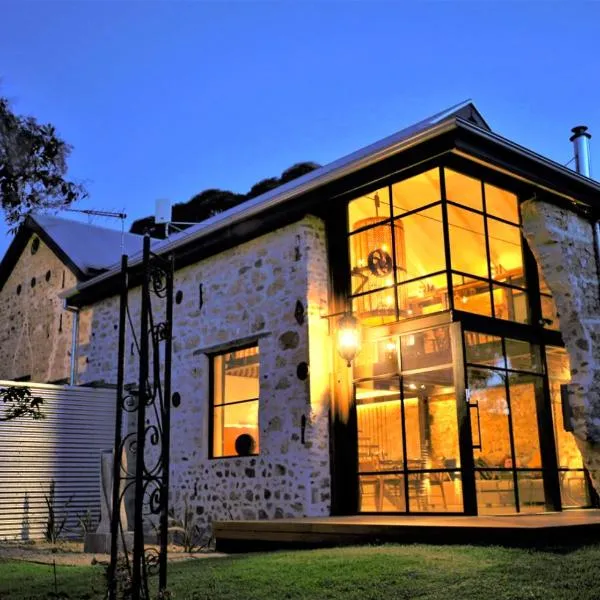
273, 200
469, 137
537, 169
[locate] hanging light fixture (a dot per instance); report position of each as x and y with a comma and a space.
348, 337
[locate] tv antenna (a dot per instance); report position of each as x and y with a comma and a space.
90, 212
98, 213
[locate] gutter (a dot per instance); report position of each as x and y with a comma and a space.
522, 151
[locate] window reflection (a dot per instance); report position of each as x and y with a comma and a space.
573, 487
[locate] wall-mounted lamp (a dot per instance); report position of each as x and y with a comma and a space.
348, 337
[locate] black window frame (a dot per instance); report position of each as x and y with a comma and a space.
211, 400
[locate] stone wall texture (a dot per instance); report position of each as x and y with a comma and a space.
563, 244
272, 289
35, 330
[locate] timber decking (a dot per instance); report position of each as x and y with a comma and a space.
562, 528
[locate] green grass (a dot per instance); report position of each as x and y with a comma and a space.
357, 573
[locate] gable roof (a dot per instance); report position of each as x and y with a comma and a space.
463, 119
86, 249
465, 110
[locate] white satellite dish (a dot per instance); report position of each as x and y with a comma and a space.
162, 211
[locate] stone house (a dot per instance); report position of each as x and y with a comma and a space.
467, 267
47, 256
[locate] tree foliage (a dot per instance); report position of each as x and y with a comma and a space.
20, 403
213, 201
33, 165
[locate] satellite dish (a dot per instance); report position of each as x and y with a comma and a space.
162, 212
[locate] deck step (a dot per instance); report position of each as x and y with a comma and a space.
564, 528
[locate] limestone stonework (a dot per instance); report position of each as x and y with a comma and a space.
271, 289
563, 244
35, 330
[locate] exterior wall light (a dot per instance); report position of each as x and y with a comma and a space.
348, 337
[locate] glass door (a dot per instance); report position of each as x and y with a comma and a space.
504, 382
407, 433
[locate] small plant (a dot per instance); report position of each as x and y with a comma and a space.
54, 523
86, 522
187, 532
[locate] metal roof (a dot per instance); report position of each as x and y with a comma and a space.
90, 247
464, 115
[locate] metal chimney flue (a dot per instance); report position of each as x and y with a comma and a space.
581, 145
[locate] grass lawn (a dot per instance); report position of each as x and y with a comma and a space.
361, 573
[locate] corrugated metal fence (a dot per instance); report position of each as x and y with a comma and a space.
64, 447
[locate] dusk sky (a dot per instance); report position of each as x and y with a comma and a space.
166, 99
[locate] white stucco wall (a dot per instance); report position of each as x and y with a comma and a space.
250, 291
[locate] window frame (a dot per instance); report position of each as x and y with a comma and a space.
211, 399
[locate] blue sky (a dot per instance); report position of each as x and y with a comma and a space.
167, 98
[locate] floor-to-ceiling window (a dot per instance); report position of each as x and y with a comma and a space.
445, 241
504, 377
408, 452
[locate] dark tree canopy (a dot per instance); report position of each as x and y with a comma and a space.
211, 202
20, 402
33, 165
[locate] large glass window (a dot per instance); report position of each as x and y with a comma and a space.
398, 253
503, 383
407, 426
234, 403
486, 249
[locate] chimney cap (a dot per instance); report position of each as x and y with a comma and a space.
578, 131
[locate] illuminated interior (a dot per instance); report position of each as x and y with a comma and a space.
434, 242
407, 428
573, 488
503, 378
235, 403
397, 252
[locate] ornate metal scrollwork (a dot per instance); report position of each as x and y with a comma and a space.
141, 461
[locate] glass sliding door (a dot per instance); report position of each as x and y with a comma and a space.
504, 381
407, 426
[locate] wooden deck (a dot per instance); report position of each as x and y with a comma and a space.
562, 528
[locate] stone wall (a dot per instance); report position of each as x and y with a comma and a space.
35, 330
563, 244
271, 289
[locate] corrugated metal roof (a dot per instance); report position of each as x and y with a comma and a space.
90, 247
464, 114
